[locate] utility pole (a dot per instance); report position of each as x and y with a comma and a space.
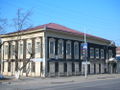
85, 47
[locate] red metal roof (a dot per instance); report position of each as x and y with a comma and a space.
66, 29
59, 27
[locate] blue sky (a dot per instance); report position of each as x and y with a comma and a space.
98, 17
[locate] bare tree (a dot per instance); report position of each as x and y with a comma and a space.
3, 24
21, 22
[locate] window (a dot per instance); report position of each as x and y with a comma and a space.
16, 66
84, 51
88, 68
99, 68
97, 52
76, 50
56, 67
9, 66
68, 48
20, 49
12, 50
29, 48
37, 48
6, 49
65, 67
102, 53
110, 54
3, 66
60, 47
32, 66
79, 66
91, 52
48, 67
73, 67
94, 68
24, 67
52, 46
41, 67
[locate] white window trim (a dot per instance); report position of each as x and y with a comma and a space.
98, 53
20, 56
6, 50
28, 54
12, 51
68, 56
60, 55
52, 55
76, 56
37, 55
110, 51
102, 57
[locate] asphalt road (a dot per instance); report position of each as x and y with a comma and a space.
112, 84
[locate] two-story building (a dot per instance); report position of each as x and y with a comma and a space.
56, 51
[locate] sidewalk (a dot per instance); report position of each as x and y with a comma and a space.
60, 80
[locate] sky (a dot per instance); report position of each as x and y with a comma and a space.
97, 17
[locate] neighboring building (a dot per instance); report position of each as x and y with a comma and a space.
118, 51
118, 58
56, 51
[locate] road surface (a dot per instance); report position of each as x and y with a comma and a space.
111, 84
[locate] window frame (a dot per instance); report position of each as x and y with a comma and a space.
97, 56
102, 54
33, 66
76, 50
6, 50
51, 55
60, 48
20, 49
110, 53
9, 66
12, 50
92, 52
68, 50
29, 48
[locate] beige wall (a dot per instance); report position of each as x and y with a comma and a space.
26, 36
37, 64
